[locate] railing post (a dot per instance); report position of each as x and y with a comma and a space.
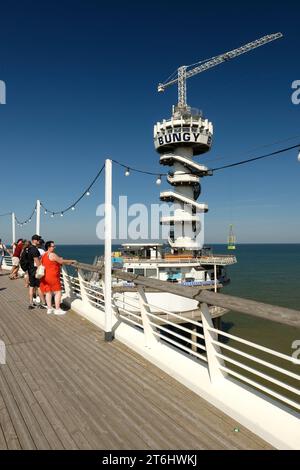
150, 337
84, 296
108, 335
67, 283
214, 362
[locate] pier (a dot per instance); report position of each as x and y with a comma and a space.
139, 379
64, 387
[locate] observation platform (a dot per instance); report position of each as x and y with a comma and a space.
64, 387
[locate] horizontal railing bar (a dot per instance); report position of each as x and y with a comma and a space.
190, 351
259, 361
125, 299
128, 312
99, 306
177, 315
245, 306
260, 374
126, 319
101, 297
96, 301
253, 345
176, 325
126, 303
177, 335
88, 267
261, 387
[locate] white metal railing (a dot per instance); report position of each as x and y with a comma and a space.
256, 385
7, 262
225, 355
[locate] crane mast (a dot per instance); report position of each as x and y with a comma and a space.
180, 138
184, 72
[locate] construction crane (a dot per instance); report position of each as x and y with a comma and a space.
185, 71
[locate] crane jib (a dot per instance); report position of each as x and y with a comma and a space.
184, 72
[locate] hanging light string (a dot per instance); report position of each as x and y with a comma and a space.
74, 204
4, 215
249, 160
250, 151
24, 222
137, 170
242, 162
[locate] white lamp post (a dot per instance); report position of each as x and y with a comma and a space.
38, 217
107, 250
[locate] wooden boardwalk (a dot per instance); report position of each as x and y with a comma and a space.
63, 387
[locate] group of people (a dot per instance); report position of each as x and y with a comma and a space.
43, 286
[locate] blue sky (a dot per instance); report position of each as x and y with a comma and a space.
81, 81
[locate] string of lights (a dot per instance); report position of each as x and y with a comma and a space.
249, 160
26, 221
129, 169
72, 206
242, 162
4, 215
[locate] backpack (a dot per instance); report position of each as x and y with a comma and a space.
24, 261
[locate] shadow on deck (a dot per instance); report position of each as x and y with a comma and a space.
63, 387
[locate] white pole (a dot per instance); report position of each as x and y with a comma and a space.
13, 225
215, 276
38, 217
107, 250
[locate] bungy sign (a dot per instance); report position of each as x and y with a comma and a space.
180, 137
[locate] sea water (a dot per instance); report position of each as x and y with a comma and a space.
265, 272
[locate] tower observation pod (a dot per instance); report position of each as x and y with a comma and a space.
179, 140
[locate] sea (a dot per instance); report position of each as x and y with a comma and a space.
265, 272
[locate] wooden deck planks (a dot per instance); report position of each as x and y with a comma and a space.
63, 387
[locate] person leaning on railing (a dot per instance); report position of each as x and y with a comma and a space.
50, 282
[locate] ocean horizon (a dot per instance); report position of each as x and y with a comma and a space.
266, 272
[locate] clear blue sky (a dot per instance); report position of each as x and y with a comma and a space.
81, 81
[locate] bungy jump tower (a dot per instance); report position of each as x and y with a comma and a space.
178, 140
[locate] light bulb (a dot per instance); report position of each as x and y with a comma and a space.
299, 156
73, 208
158, 181
87, 193
61, 214
127, 172
45, 212
52, 215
